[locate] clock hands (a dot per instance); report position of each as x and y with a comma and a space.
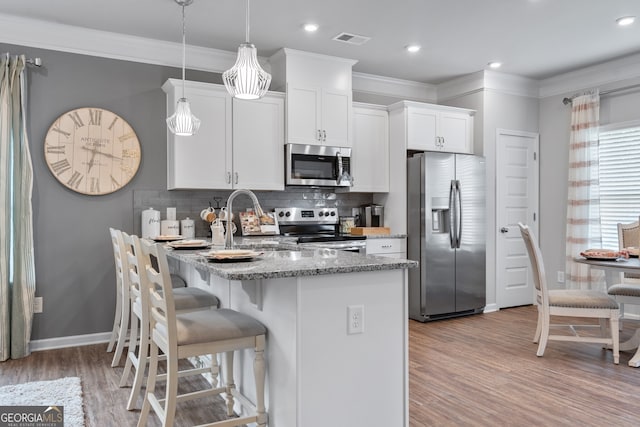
91, 161
96, 151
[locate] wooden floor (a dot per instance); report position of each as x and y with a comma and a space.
479, 370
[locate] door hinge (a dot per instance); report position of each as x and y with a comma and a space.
534, 216
535, 156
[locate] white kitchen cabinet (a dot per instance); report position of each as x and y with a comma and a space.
370, 153
319, 116
258, 143
391, 247
319, 97
240, 144
439, 128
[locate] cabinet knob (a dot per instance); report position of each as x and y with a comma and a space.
228, 178
236, 178
324, 135
319, 134
504, 230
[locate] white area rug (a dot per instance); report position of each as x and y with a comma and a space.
65, 392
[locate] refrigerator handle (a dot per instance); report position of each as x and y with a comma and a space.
452, 222
458, 214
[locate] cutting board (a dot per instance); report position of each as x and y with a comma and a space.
370, 231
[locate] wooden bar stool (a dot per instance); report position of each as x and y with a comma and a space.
182, 335
186, 299
120, 333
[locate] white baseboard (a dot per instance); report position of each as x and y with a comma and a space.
490, 308
70, 341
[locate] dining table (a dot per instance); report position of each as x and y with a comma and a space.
612, 269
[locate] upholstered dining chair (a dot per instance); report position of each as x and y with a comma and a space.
120, 333
182, 335
185, 299
628, 290
569, 303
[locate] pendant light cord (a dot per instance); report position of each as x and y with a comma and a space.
247, 23
184, 48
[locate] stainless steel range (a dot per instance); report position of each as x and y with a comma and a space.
317, 228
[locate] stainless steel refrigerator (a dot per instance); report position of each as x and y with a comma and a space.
446, 234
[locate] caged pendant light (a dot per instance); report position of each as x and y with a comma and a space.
246, 79
182, 122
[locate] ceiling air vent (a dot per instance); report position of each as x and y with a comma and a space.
351, 38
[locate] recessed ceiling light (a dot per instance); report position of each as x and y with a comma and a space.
495, 64
413, 48
310, 28
626, 20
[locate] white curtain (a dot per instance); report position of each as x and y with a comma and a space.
583, 202
17, 270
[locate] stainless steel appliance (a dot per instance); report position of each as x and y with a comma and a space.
318, 165
446, 234
317, 228
371, 216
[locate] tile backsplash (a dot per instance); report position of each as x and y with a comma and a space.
189, 203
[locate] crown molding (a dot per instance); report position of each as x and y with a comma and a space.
510, 84
65, 38
606, 73
388, 86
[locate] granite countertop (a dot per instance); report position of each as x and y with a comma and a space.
282, 258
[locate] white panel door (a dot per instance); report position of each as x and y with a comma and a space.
516, 201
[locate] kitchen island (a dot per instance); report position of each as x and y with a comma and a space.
318, 372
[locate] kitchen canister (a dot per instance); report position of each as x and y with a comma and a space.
171, 214
150, 223
169, 227
188, 228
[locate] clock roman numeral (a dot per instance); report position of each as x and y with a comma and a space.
60, 166
60, 131
55, 149
127, 136
114, 184
115, 119
95, 117
75, 179
95, 185
77, 121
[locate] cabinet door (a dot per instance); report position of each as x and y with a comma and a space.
370, 155
258, 143
303, 115
337, 117
421, 129
203, 160
393, 247
455, 132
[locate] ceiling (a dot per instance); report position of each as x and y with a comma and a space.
532, 38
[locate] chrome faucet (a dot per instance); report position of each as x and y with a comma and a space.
228, 242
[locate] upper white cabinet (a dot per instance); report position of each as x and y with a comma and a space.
370, 155
319, 99
240, 144
437, 128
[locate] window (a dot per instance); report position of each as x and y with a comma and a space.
619, 178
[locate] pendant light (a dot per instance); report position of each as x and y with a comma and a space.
246, 79
182, 122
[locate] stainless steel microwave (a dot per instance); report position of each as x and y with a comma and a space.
318, 165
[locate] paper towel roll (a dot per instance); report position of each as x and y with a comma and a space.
169, 227
150, 223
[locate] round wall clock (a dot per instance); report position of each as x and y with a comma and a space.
92, 151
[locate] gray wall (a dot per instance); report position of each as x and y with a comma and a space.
74, 262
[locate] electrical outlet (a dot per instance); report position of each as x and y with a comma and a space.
560, 276
37, 305
355, 319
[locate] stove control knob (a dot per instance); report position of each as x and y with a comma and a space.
281, 214
333, 213
288, 214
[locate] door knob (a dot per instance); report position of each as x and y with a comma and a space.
504, 230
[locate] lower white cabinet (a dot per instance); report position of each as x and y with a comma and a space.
370, 155
240, 144
392, 247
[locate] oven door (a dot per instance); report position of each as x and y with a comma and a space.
316, 165
357, 246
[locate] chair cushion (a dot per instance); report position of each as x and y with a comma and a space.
214, 325
192, 298
625, 289
578, 298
